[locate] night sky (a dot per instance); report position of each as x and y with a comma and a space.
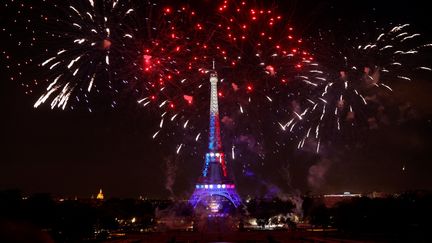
74, 153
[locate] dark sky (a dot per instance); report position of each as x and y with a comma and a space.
76, 152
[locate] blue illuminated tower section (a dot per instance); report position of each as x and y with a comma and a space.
214, 184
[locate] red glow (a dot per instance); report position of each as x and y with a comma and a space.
220, 94
106, 44
270, 69
249, 87
298, 66
147, 62
168, 10
188, 98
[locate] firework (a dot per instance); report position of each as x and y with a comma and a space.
161, 54
73, 48
358, 84
260, 60
98, 52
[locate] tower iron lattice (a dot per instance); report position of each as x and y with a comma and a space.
214, 181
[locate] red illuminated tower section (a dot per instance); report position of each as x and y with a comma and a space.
215, 187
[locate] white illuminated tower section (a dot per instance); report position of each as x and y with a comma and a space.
214, 185
214, 140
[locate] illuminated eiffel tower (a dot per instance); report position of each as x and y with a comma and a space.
215, 187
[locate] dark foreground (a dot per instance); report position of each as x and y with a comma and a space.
261, 237
404, 217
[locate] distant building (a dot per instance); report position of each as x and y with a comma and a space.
330, 200
100, 195
375, 194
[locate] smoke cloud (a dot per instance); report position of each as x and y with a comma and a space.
170, 175
228, 121
317, 173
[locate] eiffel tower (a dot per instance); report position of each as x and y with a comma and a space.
215, 187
